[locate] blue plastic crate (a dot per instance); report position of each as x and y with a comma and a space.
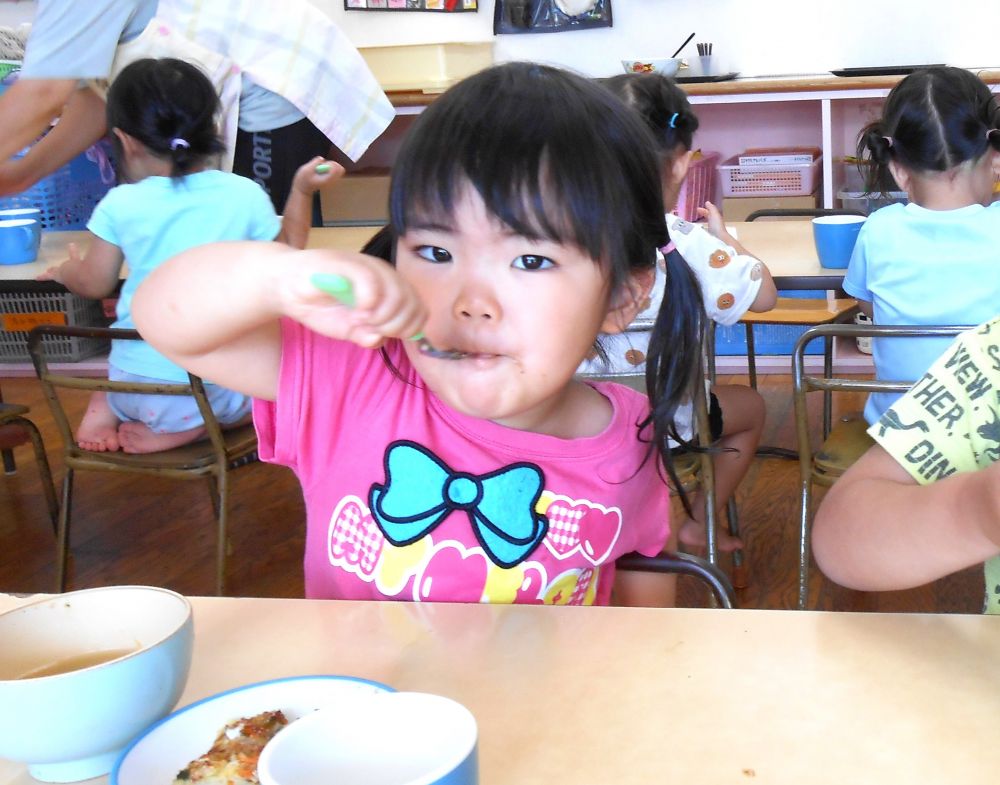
768, 338
68, 196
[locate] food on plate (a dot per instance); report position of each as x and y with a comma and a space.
232, 760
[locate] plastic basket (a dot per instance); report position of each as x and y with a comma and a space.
787, 180
869, 203
68, 196
768, 338
22, 311
699, 187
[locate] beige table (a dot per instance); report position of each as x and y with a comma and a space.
788, 249
54, 249
786, 246
608, 696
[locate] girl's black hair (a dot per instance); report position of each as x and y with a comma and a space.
553, 155
662, 105
170, 106
932, 121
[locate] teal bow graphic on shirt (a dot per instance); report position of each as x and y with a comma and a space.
420, 491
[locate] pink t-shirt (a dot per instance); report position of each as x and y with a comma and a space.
408, 499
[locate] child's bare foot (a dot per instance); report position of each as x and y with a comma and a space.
98, 429
136, 437
693, 533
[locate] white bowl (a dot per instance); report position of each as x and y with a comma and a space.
71, 726
390, 738
662, 65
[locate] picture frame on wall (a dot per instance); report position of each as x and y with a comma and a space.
412, 5
549, 16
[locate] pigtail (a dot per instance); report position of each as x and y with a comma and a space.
875, 150
674, 360
677, 128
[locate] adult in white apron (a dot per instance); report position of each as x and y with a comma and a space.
289, 80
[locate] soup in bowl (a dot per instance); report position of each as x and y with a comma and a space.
82, 673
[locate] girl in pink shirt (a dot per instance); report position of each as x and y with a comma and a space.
526, 211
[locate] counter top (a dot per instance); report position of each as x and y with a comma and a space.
791, 83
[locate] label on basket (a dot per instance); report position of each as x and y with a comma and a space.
25, 322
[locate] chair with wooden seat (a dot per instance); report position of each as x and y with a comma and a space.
848, 439
12, 414
211, 458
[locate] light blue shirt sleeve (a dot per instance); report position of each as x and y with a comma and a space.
856, 277
265, 225
101, 223
77, 39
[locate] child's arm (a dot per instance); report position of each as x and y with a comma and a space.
877, 529
93, 275
645, 589
767, 295
297, 217
234, 339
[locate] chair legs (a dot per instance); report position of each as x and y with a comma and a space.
741, 576
44, 470
62, 535
220, 498
827, 395
751, 356
805, 494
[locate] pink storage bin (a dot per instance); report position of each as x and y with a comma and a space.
784, 180
699, 187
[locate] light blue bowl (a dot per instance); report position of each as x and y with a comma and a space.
71, 726
389, 738
835, 236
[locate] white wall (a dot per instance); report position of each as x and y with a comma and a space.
755, 37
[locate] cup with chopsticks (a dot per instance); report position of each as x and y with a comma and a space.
706, 62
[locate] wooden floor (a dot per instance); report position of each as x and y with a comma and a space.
132, 529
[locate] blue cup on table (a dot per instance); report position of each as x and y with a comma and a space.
32, 213
19, 240
835, 236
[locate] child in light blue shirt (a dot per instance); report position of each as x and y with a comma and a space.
162, 113
936, 259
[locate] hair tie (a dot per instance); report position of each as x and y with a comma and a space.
179, 142
888, 140
990, 132
673, 120
667, 248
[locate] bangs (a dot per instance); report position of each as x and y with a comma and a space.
537, 151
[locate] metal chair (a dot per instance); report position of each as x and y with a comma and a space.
848, 439
696, 470
210, 458
799, 312
684, 564
14, 414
